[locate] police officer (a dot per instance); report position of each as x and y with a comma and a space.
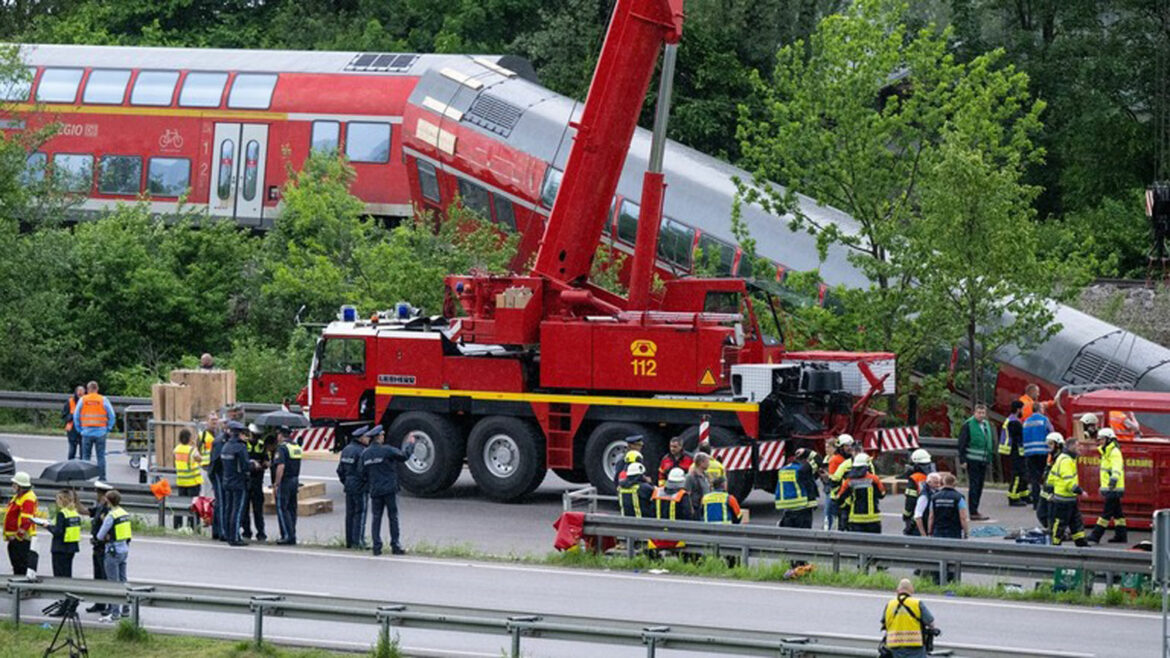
380, 478
215, 474
949, 517
356, 503
634, 445
796, 492
921, 465
1112, 489
285, 482
254, 502
636, 492
1064, 487
234, 474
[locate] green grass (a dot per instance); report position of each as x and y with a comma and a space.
29, 640
31, 428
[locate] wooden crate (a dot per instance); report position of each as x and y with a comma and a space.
211, 390
306, 490
170, 403
306, 506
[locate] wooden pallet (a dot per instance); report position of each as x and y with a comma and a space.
306, 490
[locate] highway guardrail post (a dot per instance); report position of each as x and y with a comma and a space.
650, 637
943, 572
386, 616
516, 627
258, 605
135, 594
745, 554
14, 587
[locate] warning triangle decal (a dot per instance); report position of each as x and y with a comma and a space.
707, 379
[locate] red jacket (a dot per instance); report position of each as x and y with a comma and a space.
19, 515
669, 461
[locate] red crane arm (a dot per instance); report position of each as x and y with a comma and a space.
636, 33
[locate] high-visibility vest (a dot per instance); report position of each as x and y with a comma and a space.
1112, 467
207, 439
186, 470
1117, 420
1063, 478
121, 524
629, 500
914, 486
666, 505
72, 525
715, 507
1005, 438
72, 408
903, 622
93, 411
295, 451
789, 493
15, 515
863, 506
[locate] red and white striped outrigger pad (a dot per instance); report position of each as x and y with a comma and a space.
896, 438
739, 458
314, 438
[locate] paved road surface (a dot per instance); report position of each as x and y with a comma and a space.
651, 598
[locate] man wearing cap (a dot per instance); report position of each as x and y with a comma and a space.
285, 483
379, 471
796, 491
234, 470
254, 500
1112, 489
19, 527
356, 504
635, 492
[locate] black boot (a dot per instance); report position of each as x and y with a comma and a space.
1097, 533
1120, 535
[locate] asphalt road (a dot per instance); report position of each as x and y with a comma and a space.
663, 599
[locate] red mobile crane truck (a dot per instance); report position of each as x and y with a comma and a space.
547, 371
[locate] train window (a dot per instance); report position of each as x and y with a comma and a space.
34, 169
59, 85
552, 184
474, 198
120, 174
252, 91
227, 164
106, 86
73, 173
325, 137
17, 87
674, 242
608, 225
627, 228
251, 168
717, 255
505, 214
154, 88
745, 266
168, 176
202, 89
367, 142
428, 181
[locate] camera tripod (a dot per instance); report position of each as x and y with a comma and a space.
74, 639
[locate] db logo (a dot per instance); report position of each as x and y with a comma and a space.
643, 352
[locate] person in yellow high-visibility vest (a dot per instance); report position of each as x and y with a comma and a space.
188, 477
1112, 489
1064, 487
907, 623
116, 533
20, 526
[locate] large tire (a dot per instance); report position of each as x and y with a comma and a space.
605, 449
739, 483
506, 456
438, 452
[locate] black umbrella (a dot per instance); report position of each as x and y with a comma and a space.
70, 470
281, 419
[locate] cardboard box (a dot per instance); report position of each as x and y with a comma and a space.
211, 390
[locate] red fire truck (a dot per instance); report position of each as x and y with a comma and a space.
547, 371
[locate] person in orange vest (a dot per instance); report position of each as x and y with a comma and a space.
1030, 397
20, 526
95, 416
72, 435
1124, 425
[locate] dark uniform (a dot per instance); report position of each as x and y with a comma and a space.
915, 483
356, 502
634, 496
861, 491
796, 494
945, 506
379, 470
254, 504
288, 455
215, 474
97, 514
233, 465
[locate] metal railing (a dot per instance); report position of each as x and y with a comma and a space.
516, 626
136, 498
55, 402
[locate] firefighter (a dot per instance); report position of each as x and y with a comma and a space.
285, 482
635, 492
796, 492
379, 472
1112, 489
1055, 442
1124, 425
234, 475
20, 528
1064, 488
720, 506
906, 622
356, 503
676, 457
634, 445
921, 465
1036, 429
671, 502
861, 490
254, 501
188, 477
835, 470
95, 416
1011, 446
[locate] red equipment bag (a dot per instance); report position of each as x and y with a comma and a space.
204, 508
570, 530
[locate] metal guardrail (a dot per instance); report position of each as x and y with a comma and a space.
136, 498
953, 556
55, 401
515, 625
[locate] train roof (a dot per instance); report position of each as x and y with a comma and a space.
226, 59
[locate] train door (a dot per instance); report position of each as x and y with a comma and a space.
237, 181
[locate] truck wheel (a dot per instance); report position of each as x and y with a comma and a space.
739, 483
506, 457
605, 453
438, 452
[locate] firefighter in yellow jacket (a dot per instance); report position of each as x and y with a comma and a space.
1112, 489
1064, 487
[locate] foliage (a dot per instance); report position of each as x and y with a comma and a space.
126, 631
607, 265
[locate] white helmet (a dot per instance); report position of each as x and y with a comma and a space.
635, 469
1106, 433
861, 459
676, 476
1055, 437
1089, 419
920, 456
844, 440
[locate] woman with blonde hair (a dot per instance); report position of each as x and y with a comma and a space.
66, 531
